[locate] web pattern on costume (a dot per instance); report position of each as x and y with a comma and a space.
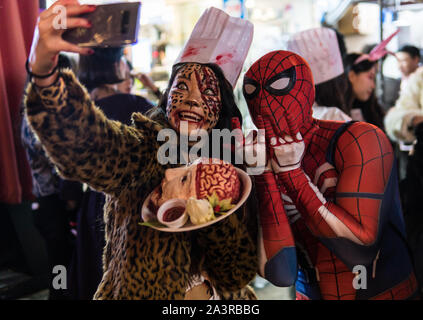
339, 200
354, 189
288, 111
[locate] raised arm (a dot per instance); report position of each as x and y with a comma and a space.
401, 119
276, 245
79, 139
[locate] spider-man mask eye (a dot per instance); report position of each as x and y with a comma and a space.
282, 83
279, 87
250, 88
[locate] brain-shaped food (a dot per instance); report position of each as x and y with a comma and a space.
219, 177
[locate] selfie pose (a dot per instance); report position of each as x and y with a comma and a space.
140, 262
330, 213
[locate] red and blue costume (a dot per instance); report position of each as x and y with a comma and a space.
329, 195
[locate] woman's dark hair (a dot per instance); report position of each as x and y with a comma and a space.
341, 43
100, 68
228, 111
371, 109
332, 93
229, 108
362, 66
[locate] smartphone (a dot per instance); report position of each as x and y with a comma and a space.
113, 25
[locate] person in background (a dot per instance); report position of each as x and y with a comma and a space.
360, 95
106, 74
320, 48
408, 62
411, 190
149, 83
56, 203
125, 86
402, 120
130, 75
404, 125
391, 84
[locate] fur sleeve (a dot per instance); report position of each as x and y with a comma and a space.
82, 143
230, 253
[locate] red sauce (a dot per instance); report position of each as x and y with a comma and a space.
173, 214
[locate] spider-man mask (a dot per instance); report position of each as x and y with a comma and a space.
279, 87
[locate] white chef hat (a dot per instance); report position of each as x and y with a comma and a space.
320, 48
221, 39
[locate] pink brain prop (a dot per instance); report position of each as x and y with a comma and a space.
221, 178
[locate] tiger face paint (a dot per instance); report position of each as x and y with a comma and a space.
195, 98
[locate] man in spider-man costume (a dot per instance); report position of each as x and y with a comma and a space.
329, 204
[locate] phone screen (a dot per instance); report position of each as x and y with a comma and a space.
113, 25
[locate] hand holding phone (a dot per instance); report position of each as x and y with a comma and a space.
47, 42
113, 25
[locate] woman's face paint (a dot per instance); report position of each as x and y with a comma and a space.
195, 99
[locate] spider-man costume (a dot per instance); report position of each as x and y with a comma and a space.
328, 196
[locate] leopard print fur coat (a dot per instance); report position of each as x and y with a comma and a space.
119, 160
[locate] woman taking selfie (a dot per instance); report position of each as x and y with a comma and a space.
101, 73
140, 262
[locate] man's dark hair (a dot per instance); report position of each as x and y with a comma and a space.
411, 50
368, 47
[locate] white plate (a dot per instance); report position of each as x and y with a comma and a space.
149, 216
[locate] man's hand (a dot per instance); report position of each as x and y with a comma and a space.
287, 152
252, 149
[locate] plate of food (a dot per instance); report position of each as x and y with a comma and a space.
196, 196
